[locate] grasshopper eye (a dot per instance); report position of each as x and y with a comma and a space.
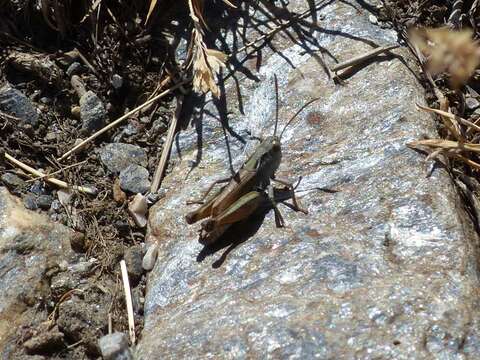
276, 145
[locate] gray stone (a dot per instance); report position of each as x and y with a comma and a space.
472, 103
74, 69
83, 320
384, 268
133, 259
45, 100
82, 267
115, 347
30, 202
92, 112
150, 257
134, 178
56, 205
44, 201
38, 188
118, 156
12, 180
45, 342
30, 245
63, 282
14, 102
117, 81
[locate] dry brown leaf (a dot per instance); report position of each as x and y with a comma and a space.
205, 67
453, 52
118, 195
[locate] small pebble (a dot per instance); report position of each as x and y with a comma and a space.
82, 267
12, 180
30, 202
134, 178
74, 69
150, 257
117, 81
115, 347
38, 188
75, 111
45, 341
373, 19
92, 112
14, 102
44, 201
118, 156
472, 103
56, 205
133, 259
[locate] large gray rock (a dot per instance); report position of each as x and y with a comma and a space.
31, 246
385, 268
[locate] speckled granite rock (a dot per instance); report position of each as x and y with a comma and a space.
30, 247
385, 268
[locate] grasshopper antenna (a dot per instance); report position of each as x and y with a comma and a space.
296, 114
276, 104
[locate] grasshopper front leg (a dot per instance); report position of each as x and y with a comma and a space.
292, 188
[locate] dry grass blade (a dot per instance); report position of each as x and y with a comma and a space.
119, 120
451, 116
128, 301
449, 120
54, 181
467, 161
445, 144
159, 171
153, 3
361, 58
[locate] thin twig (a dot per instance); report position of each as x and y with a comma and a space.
54, 181
361, 58
58, 171
120, 119
128, 301
160, 170
86, 62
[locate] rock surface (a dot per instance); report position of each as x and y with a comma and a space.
30, 247
383, 268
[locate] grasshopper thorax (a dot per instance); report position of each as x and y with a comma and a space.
269, 158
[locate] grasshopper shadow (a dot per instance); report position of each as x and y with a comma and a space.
236, 235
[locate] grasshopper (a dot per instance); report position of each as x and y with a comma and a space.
250, 203
233, 200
